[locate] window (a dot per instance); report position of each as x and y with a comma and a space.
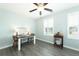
73, 25
48, 27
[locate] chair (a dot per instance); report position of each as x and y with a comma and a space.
15, 41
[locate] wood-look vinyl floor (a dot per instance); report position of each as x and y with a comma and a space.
39, 49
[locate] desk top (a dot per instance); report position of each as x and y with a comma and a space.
23, 36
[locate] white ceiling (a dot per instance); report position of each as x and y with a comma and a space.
23, 8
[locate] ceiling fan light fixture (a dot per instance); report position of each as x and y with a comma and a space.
40, 4
40, 8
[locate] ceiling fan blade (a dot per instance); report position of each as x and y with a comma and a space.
32, 10
45, 4
36, 4
40, 13
48, 9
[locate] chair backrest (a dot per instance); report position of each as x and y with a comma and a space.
32, 34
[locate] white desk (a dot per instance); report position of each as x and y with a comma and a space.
19, 42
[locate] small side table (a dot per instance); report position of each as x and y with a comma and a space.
59, 38
15, 40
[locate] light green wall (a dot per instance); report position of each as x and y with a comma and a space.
60, 24
9, 19
40, 29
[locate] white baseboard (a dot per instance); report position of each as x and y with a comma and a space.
6, 46
64, 45
45, 41
9, 45
71, 48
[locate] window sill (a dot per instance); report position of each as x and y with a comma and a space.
74, 37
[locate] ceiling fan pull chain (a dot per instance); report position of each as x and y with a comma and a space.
40, 13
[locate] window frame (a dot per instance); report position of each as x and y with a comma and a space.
74, 35
50, 34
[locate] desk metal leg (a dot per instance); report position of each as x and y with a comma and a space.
19, 44
34, 39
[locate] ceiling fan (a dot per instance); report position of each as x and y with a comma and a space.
40, 7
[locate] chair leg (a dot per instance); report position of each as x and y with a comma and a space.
28, 41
